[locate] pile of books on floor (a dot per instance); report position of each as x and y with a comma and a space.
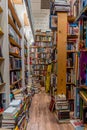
13, 115
77, 124
62, 108
61, 5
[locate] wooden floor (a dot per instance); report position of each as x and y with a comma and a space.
40, 116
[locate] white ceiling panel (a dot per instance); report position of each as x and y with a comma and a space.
40, 16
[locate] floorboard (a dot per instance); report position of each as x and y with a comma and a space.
40, 116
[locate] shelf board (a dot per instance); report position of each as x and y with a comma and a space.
1, 33
1, 58
14, 43
71, 19
83, 50
14, 14
15, 69
70, 98
39, 70
41, 47
1, 10
70, 67
70, 83
72, 36
2, 84
37, 75
85, 87
82, 95
43, 35
71, 51
15, 55
44, 41
11, 86
39, 64
13, 25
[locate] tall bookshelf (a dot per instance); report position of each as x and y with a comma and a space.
11, 61
71, 68
26, 60
2, 82
81, 18
39, 55
14, 35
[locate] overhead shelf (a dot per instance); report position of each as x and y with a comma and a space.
14, 26
14, 43
15, 55
85, 87
14, 14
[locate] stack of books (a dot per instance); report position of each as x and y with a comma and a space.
9, 118
61, 5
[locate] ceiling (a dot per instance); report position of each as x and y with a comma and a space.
40, 16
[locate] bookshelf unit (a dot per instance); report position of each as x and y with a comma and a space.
39, 55
11, 63
15, 39
72, 49
26, 60
82, 78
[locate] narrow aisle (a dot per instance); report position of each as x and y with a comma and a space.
40, 116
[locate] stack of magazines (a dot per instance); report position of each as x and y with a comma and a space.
61, 5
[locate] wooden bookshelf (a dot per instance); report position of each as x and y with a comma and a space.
14, 14
14, 43
13, 25
15, 55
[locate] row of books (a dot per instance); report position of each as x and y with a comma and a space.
70, 76
15, 63
71, 46
15, 50
73, 29
14, 115
43, 38
13, 35
14, 76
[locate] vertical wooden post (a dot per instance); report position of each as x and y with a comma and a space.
61, 49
